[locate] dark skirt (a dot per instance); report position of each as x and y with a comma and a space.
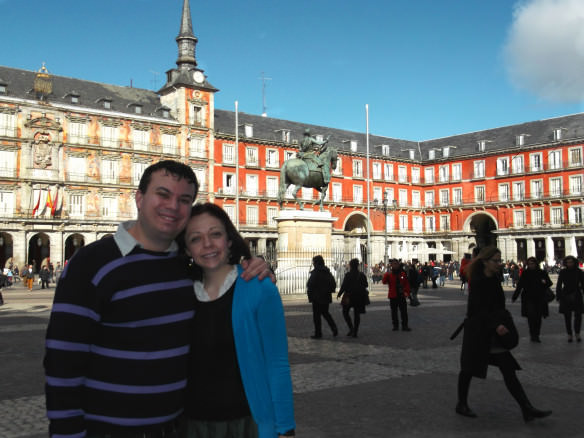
241, 428
504, 360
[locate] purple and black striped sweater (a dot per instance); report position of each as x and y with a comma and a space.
118, 341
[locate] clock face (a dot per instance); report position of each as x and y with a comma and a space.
199, 77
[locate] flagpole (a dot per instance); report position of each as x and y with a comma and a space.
368, 192
236, 165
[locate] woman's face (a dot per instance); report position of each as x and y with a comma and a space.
493, 264
206, 242
531, 265
569, 263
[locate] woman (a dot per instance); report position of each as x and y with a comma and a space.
569, 293
320, 286
532, 286
354, 289
487, 329
239, 379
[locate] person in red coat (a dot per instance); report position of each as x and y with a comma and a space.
398, 290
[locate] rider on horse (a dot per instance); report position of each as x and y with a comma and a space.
310, 149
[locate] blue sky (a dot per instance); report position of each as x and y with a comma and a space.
426, 68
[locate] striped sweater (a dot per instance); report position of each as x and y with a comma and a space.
117, 342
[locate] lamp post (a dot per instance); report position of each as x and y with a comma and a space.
386, 206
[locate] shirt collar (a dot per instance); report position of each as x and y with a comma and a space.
202, 294
126, 242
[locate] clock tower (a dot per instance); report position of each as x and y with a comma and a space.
187, 92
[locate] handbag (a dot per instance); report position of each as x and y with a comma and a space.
549, 295
346, 300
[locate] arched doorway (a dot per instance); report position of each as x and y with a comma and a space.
6, 248
39, 251
356, 237
72, 244
482, 226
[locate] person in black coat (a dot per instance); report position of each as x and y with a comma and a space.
532, 286
320, 287
354, 289
569, 293
489, 333
45, 276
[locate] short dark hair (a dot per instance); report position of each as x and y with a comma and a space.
180, 170
318, 261
354, 264
570, 257
239, 247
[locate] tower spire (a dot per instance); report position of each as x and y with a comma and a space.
186, 40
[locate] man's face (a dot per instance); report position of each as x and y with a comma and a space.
165, 208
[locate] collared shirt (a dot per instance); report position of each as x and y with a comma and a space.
126, 242
202, 294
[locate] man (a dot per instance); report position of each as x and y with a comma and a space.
118, 338
320, 286
398, 290
310, 149
28, 276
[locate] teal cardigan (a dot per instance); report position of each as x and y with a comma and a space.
261, 345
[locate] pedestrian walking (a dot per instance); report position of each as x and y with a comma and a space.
489, 335
569, 293
398, 289
320, 286
126, 304
354, 295
28, 276
415, 279
58, 272
239, 377
532, 286
45, 277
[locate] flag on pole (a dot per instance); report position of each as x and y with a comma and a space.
35, 209
49, 202
54, 207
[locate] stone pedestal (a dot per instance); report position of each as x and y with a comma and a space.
301, 235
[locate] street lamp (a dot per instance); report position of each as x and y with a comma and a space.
386, 206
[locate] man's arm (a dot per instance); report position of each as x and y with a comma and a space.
256, 267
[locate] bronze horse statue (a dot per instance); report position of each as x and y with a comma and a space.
306, 173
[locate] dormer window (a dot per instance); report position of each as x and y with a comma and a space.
520, 140
106, 102
412, 153
446, 151
431, 154
353, 146
2, 88
558, 134
74, 99
320, 137
248, 129
385, 149
138, 109
482, 145
165, 113
285, 135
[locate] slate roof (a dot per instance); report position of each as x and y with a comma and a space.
19, 83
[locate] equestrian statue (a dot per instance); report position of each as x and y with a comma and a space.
311, 168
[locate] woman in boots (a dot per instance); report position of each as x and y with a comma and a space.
354, 293
485, 333
569, 293
532, 286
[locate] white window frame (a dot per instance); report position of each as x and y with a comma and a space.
403, 222
556, 216
575, 156
576, 184
197, 115
429, 175
444, 197
537, 217
443, 173
555, 187
388, 171
518, 164
252, 215
7, 203
109, 136
138, 169
357, 193
519, 218
376, 170
402, 174
230, 211
456, 172
504, 192
272, 214
377, 195
7, 124
337, 190
536, 188
575, 213
251, 157
358, 168
110, 171
518, 190
403, 197
429, 199
8, 164
416, 203
78, 132
415, 175
252, 184
457, 196
479, 169
272, 159
229, 183
555, 159
228, 153
417, 224
109, 207
535, 162
444, 222
272, 186
169, 144
502, 166
197, 146
430, 224
480, 194
76, 207
76, 168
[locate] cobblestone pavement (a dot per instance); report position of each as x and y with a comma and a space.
380, 384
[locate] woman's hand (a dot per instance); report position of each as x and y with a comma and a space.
502, 330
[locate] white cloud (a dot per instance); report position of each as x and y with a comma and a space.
545, 49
